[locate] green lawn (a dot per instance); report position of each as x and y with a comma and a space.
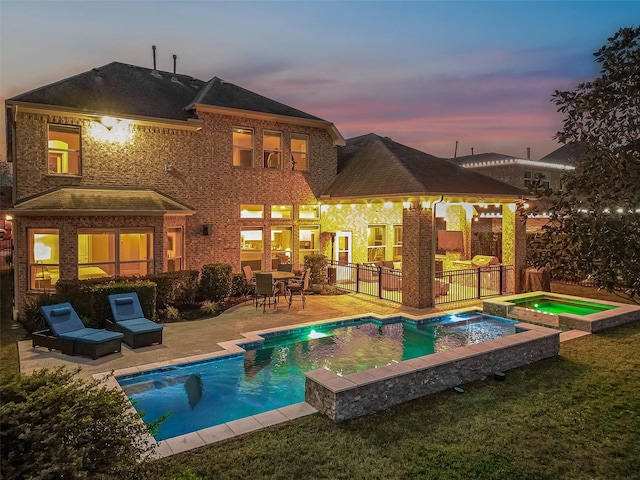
576, 416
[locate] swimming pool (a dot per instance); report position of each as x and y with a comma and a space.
271, 374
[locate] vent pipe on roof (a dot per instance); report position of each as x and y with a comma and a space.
174, 78
528, 153
455, 152
154, 72
471, 150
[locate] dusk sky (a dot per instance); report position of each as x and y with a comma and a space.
423, 73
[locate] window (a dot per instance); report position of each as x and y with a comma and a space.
242, 147
251, 211
397, 243
174, 249
44, 258
309, 242
114, 252
281, 245
272, 148
309, 212
528, 175
251, 247
299, 152
64, 150
376, 243
540, 180
281, 211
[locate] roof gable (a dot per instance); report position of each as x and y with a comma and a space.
371, 165
220, 93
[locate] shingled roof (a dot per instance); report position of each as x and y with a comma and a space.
564, 154
120, 89
371, 165
101, 201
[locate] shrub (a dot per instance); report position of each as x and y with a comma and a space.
54, 425
171, 314
238, 285
210, 308
175, 288
31, 318
215, 281
318, 265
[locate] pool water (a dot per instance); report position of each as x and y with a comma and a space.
271, 376
556, 306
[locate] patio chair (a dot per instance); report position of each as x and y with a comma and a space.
299, 285
285, 267
69, 335
249, 279
266, 290
129, 320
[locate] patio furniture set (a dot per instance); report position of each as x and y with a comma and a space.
68, 334
281, 283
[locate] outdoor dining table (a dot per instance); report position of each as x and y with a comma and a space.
279, 280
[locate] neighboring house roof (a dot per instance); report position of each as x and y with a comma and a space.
120, 89
496, 159
371, 165
564, 154
101, 201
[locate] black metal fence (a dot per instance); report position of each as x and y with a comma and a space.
451, 286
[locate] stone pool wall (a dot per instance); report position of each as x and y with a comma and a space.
357, 394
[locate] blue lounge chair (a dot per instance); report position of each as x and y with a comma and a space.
129, 320
71, 336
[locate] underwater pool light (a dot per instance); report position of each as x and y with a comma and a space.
314, 334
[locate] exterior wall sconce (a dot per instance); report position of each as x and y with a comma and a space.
207, 228
168, 167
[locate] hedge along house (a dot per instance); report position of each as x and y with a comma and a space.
124, 170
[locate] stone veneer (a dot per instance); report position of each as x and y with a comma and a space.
595, 322
361, 393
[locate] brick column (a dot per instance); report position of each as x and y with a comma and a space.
418, 257
514, 242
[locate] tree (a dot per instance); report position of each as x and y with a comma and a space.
53, 425
594, 227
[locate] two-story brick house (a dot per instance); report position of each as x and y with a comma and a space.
124, 170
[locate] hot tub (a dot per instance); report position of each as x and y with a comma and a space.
564, 311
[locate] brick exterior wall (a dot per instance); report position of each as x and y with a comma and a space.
202, 176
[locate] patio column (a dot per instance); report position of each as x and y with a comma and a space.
418, 257
514, 242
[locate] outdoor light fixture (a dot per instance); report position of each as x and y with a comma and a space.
112, 130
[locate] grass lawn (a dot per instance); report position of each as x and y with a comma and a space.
575, 416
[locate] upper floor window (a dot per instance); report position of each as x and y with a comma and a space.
64, 150
309, 211
272, 146
242, 147
281, 211
299, 152
251, 211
